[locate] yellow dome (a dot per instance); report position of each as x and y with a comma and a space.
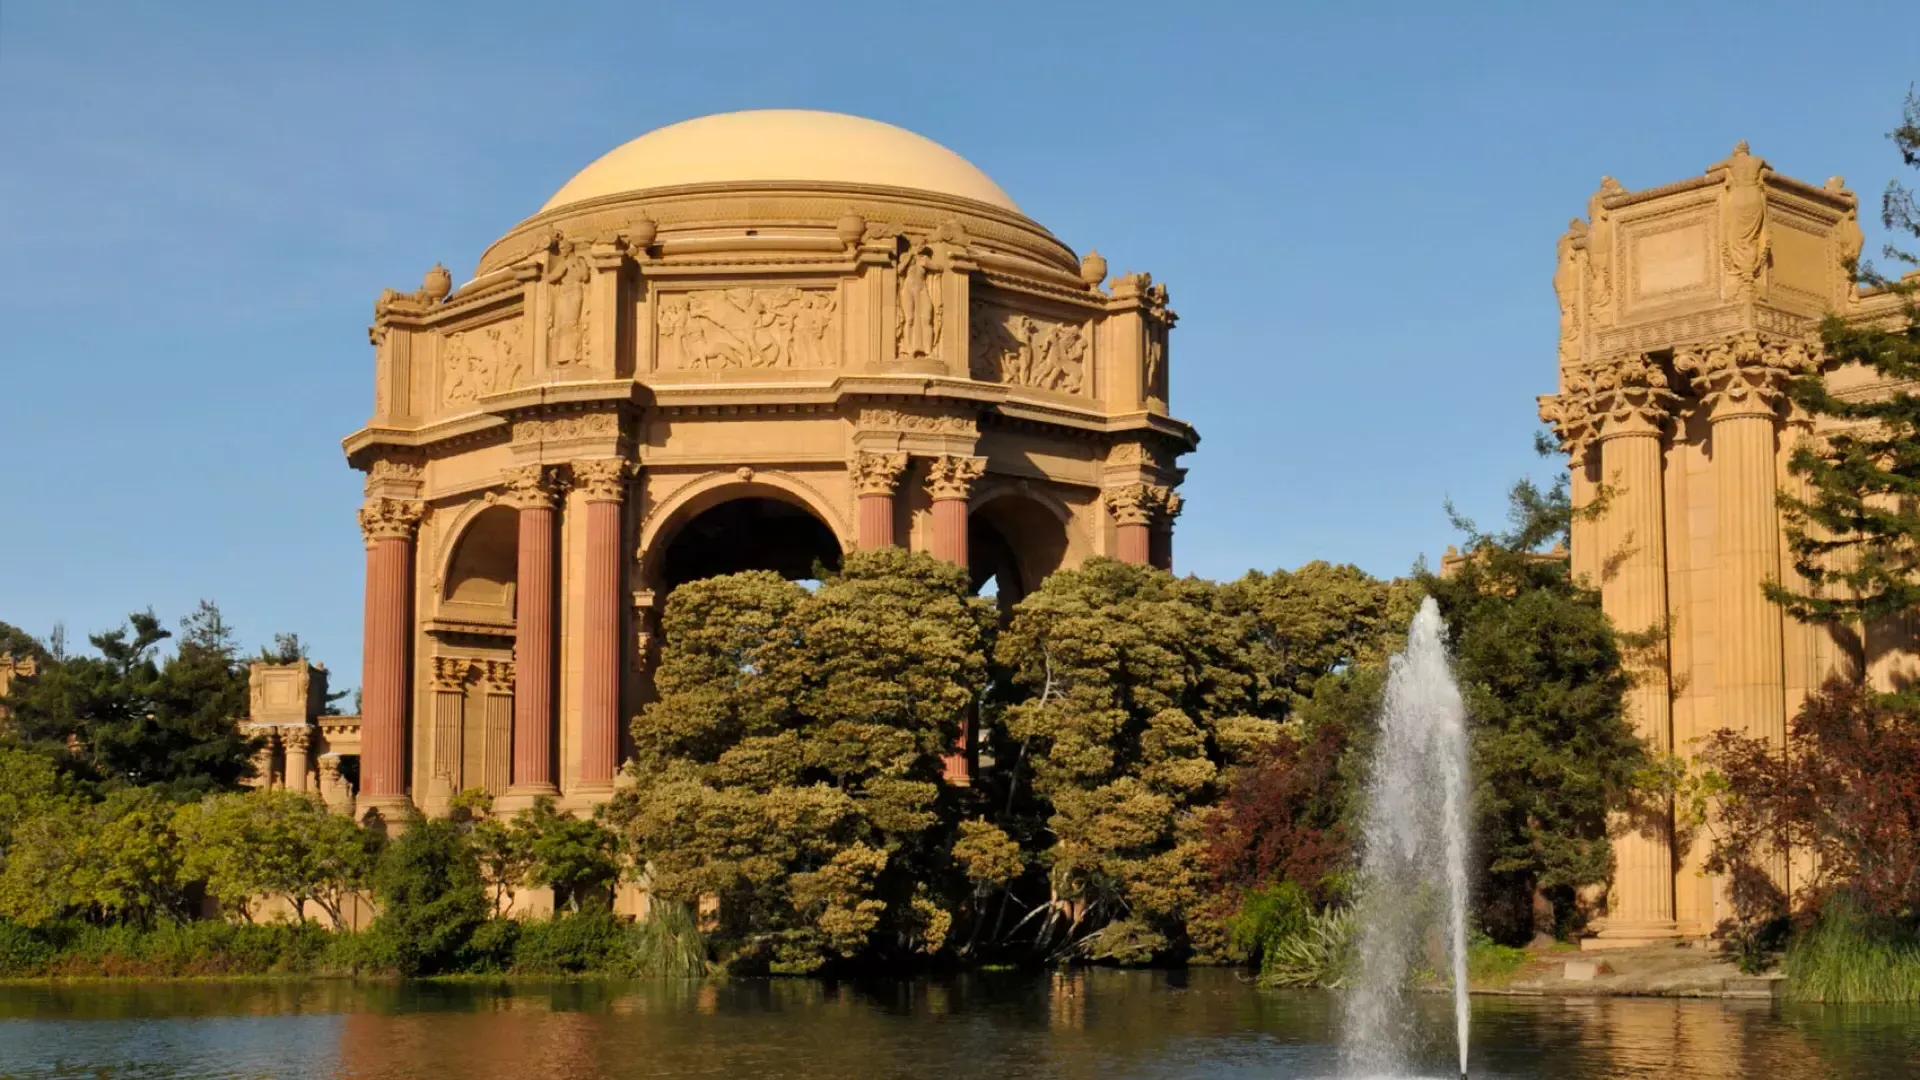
781, 145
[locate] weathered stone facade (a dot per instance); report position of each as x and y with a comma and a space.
1684, 311
749, 341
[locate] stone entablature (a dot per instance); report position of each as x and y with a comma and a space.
1685, 310
899, 366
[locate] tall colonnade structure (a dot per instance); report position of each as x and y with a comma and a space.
1685, 310
749, 341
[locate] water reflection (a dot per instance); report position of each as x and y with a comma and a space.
1096, 1025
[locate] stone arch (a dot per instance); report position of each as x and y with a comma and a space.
1017, 534
799, 524
480, 564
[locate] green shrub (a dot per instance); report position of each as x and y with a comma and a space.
1319, 955
491, 948
23, 951
568, 944
431, 898
1268, 916
1489, 960
668, 945
1846, 957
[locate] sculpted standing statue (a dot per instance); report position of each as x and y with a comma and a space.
919, 331
1566, 286
567, 310
1746, 218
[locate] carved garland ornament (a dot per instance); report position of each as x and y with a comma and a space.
602, 479
895, 420
951, 476
390, 519
748, 328
597, 425
877, 474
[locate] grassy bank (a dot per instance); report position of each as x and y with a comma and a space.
1848, 958
589, 943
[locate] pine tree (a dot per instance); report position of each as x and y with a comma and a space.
1855, 540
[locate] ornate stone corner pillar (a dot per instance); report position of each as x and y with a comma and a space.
1632, 406
296, 739
950, 479
1740, 382
450, 677
497, 728
1135, 509
602, 484
875, 476
534, 490
334, 789
389, 526
263, 758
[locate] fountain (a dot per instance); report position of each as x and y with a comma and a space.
1413, 873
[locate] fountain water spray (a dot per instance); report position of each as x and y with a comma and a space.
1413, 872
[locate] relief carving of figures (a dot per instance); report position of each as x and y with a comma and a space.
718, 329
1852, 241
1599, 248
1566, 287
918, 332
1746, 219
483, 361
1154, 378
568, 304
1014, 348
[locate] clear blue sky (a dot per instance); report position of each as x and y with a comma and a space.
1355, 206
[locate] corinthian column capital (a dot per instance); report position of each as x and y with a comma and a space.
390, 519
877, 474
950, 476
1140, 504
602, 479
1630, 396
1745, 375
531, 487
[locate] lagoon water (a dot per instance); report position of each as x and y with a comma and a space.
1087, 1024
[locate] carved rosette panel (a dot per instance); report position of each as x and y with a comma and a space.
931, 424
390, 519
951, 476
569, 323
485, 360
531, 487
602, 479
747, 329
877, 474
1141, 504
1018, 349
1745, 375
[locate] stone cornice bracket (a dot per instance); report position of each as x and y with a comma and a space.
877, 474
602, 479
499, 676
452, 673
951, 476
531, 487
1745, 375
1141, 504
383, 518
1630, 396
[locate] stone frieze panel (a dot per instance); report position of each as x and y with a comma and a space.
748, 329
480, 361
1017, 348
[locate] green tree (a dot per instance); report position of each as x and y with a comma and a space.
1135, 695
1304, 624
499, 848
1855, 540
573, 856
21, 644
115, 860
791, 765
1541, 671
431, 897
275, 843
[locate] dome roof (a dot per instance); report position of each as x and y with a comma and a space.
781, 145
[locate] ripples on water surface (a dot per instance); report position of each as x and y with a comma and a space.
1101, 1024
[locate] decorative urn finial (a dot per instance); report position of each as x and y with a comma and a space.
1093, 268
850, 228
641, 233
438, 283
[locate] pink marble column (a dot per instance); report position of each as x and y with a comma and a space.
388, 525
950, 480
532, 490
602, 484
1135, 509
874, 478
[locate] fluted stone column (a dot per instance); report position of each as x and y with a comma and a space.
602, 484
450, 676
1161, 546
388, 525
950, 480
874, 478
1633, 406
296, 738
497, 733
531, 488
1740, 383
1137, 509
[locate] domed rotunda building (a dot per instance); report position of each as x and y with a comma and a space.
750, 341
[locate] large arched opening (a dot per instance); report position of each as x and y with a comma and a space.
750, 532
479, 580
1013, 543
